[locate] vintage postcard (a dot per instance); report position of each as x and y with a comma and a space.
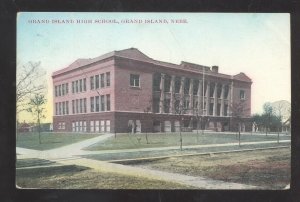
153, 101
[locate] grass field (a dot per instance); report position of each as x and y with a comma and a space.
135, 141
50, 140
267, 169
75, 177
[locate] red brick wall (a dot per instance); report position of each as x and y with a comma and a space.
129, 98
237, 86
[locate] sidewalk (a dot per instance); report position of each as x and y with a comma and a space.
85, 152
61, 152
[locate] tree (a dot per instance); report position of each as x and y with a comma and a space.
258, 120
267, 116
180, 110
147, 110
202, 120
237, 112
36, 107
30, 82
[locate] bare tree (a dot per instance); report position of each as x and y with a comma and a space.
180, 109
147, 110
237, 112
36, 107
202, 119
29, 82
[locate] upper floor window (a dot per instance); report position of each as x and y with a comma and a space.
242, 95
84, 84
92, 82
102, 80
107, 78
97, 81
80, 85
67, 88
108, 102
135, 80
102, 103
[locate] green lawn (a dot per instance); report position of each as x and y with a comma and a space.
134, 141
50, 140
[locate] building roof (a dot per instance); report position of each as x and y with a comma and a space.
135, 54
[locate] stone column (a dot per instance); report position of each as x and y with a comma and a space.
222, 100
191, 92
181, 91
172, 91
162, 93
199, 93
215, 110
207, 94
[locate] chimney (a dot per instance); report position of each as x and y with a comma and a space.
215, 69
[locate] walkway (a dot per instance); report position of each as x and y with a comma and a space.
85, 152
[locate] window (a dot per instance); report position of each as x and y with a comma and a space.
59, 108
97, 103
102, 126
77, 126
84, 126
92, 82
107, 78
107, 126
59, 90
80, 85
73, 87
77, 111
63, 89
186, 104
242, 95
61, 125
102, 103
97, 126
108, 102
156, 81
187, 86
92, 126
92, 104
135, 80
80, 105
102, 80
67, 107
84, 105
84, 84
76, 86
97, 81
195, 87
80, 125
67, 88
56, 109
73, 127
63, 108
55, 91
177, 84
73, 107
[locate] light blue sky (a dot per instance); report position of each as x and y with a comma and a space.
256, 44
